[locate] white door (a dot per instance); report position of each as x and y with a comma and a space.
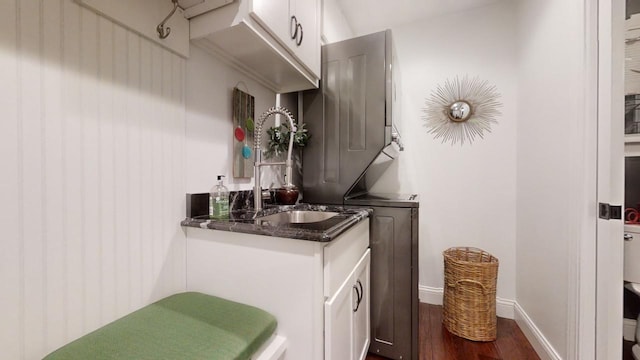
610, 179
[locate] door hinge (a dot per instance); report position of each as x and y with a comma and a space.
607, 211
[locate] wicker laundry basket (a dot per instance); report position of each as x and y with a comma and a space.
470, 276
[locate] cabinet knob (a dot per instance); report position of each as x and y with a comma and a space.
293, 27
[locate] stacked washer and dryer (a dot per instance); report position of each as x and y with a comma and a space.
353, 117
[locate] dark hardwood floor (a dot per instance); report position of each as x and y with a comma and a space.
626, 350
436, 343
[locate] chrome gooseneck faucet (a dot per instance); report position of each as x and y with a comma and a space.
257, 136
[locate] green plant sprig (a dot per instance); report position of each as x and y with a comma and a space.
278, 136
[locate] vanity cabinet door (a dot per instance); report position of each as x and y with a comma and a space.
347, 316
361, 321
338, 323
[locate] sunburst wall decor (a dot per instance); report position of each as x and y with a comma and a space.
461, 110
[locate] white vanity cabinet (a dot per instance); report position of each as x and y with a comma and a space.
298, 281
277, 42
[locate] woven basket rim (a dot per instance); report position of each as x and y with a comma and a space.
492, 259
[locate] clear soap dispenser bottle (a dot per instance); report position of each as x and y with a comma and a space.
219, 201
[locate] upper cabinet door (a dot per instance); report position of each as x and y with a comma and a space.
296, 25
361, 319
273, 15
305, 15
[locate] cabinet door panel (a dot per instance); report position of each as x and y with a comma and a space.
393, 282
361, 322
274, 16
339, 323
307, 45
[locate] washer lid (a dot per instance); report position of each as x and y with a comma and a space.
385, 199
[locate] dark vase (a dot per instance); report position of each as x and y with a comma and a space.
287, 195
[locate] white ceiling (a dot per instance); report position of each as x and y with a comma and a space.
366, 16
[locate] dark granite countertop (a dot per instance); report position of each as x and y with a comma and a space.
243, 221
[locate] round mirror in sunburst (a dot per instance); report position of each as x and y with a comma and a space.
462, 110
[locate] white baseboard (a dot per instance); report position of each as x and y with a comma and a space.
433, 296
534, 335
629, 330
505, 308
430, 295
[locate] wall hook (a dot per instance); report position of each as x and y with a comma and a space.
162, 31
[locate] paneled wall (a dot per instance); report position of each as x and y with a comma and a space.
92, 123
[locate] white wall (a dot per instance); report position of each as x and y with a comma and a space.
209, 130
103, 134
550, 178
467, 192
92, 152
335, 26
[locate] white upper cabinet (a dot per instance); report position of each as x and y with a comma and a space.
277, 42
295, 23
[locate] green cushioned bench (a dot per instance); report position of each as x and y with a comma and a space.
183, 326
